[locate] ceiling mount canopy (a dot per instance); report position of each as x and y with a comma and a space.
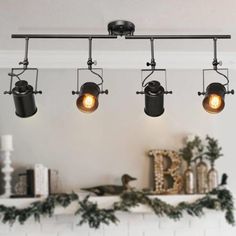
89, 92
121, 28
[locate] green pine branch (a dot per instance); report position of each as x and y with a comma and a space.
213, 150
187, 152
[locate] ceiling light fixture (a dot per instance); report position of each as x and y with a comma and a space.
214, 100
87, 100
89, 92
23, 93
153, 91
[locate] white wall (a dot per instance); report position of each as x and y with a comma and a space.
98, 148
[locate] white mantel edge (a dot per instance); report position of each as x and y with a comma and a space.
116, 59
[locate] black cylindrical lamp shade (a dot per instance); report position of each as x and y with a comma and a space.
24, 99
214, 98
88, 98
154, 99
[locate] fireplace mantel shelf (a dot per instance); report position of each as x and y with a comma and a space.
103, 202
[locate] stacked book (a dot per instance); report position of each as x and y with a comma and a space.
41, 181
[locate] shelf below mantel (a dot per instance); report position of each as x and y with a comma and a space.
103, 202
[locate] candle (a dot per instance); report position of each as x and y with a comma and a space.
6, 143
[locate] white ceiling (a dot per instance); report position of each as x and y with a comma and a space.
92, 16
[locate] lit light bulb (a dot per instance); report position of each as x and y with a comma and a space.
215, 101
88, 97
89, 101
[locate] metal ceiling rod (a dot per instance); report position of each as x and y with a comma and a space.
210, 36
215, 62
118, 28
63, 36
101, 36
153, 62
25, 62
90, 60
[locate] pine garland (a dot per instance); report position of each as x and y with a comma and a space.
36, 209
89, 212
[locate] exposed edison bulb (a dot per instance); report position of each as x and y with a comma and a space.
89, 101
88, 97
215, 101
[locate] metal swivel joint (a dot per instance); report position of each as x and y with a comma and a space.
152, 63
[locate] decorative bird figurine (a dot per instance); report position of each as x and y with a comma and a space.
112, 189
224, 179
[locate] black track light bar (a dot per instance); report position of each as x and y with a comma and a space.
101, 36
63, 36
210, 36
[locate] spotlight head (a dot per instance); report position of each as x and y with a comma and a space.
214, 98
88, 97
23, 96
154, 99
